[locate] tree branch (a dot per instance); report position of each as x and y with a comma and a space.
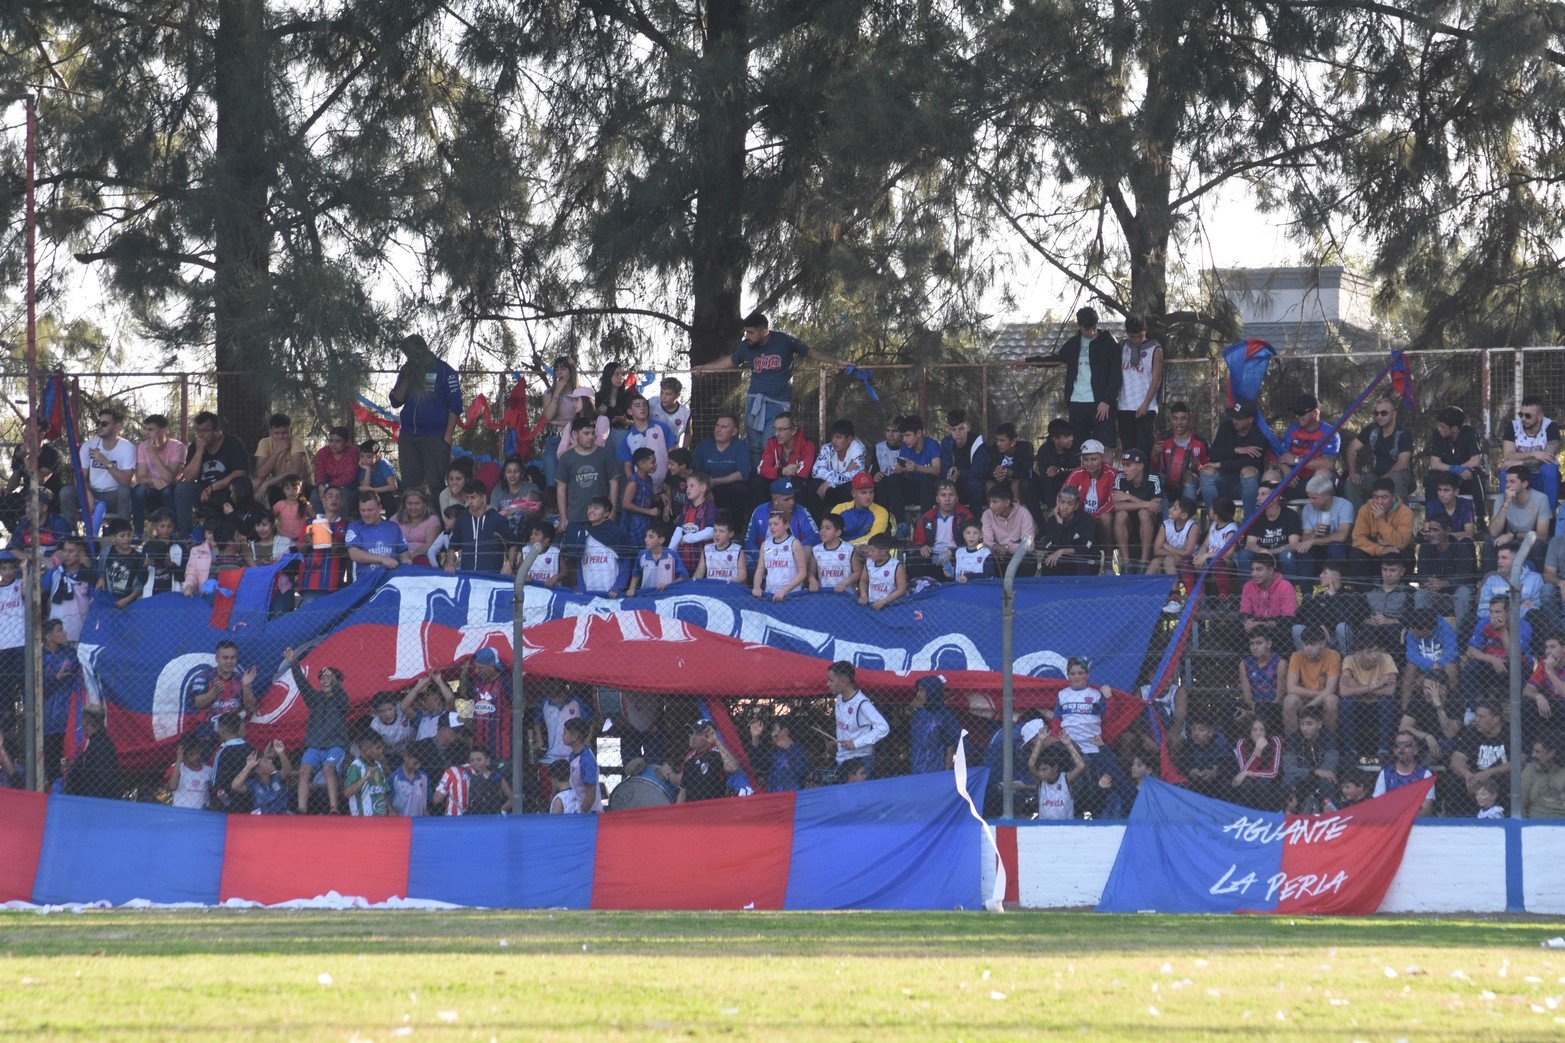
544, 314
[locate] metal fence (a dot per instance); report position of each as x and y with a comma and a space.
654, 727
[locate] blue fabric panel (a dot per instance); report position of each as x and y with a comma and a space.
904, 843
510, 862
113, 850
1177, 858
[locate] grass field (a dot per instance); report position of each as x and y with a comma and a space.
474, 975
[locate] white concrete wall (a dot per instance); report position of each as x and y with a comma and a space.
1446, 868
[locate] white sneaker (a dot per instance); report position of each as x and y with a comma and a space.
1173, 608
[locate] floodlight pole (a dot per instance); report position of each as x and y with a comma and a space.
518, 697
1514, 625
1008, 676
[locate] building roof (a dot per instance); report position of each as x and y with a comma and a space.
1017, 340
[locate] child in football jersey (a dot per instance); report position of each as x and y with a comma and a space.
365, 785
1223, 529
1263, 678
165, 555
695, 519
189, 777
599, 547
723, 559
641, 504
392, 725
668, 408
566, 800
883, 578
410, 787
545, 569
657, 566
1175, 545
834, 565
262, 779
1056, 763
972, 558
784, 564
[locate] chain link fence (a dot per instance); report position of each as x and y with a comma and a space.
642, 738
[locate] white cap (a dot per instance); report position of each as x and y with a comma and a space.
1030, 730
1091, 445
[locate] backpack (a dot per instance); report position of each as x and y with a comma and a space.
484, 796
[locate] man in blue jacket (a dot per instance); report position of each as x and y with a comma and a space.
430, 397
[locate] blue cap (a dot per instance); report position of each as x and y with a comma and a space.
6, 555
783, 487
487, 657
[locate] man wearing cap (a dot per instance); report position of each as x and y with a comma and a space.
1239, 452
1138, 503
704, 773
1094, 485
769, 354
1093, 378
933, 731
861, 516
1304, 434
859, 724
799, 521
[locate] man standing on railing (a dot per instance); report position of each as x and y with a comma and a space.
430, 397
769, 354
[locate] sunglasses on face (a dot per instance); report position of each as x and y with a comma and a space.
1383, 412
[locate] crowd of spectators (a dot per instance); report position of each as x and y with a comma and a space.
1357, 633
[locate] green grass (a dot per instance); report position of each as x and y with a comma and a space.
226, 973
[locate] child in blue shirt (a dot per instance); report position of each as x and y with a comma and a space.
640, 504
657, 566
262, 778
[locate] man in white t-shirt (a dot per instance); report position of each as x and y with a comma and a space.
109, 463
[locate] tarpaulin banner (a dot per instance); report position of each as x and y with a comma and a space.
389, 629
1185, 853
905, 843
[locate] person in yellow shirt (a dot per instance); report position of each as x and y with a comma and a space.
1384, 526
1313, 675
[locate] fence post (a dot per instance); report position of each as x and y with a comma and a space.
518, 675
820, 410
923, 391
1487, 381
983, 371
1315, 370
1514, 624
1518, 380
1008, 679
184, 407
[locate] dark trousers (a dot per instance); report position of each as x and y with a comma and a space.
424, 459
903, 490
1085, 424
1136, 432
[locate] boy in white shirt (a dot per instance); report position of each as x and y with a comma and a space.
973, 559
883, 578
657, 567
189, 777
834, 566
545, 570
723, 559
668, 408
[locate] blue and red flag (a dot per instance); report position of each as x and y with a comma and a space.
244, 596
1185, 853
1248, 361
1401, 378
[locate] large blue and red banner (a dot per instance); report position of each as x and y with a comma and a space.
701, 639
1185, 853
906, 843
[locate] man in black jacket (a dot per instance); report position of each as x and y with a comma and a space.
1091, 389
96, 770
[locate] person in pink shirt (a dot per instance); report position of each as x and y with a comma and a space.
1267, 600
158, 462
337, 463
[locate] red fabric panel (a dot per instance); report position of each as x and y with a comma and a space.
714, 854
277, 858
22, 817
1346, 871
1005, 840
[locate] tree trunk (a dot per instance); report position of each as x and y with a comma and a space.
242, 238
717, 273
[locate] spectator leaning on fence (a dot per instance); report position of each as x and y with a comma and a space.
769, 354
